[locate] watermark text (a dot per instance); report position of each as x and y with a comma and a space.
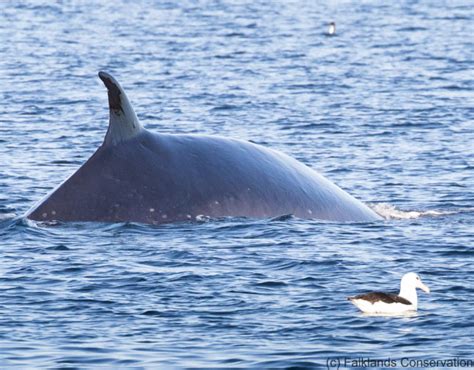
394, 363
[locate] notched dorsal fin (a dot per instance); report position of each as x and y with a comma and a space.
123, 122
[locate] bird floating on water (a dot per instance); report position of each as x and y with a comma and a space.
390, 303
332, 28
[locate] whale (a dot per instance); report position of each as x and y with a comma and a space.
139, 176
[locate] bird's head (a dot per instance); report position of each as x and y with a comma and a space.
413, 280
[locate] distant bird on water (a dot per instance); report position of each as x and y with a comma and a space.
390, 303
332, 28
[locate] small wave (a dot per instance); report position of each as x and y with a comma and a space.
282, 218
390, 212
225, 107
38, 224
7, 216
271, 284
203, 218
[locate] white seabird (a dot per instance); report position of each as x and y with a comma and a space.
390, 303
332, 28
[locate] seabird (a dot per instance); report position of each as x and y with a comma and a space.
332, 28
390, 303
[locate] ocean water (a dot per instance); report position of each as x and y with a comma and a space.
385, 109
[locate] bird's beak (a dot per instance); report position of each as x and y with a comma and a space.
424, 288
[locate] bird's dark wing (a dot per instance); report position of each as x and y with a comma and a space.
381, 297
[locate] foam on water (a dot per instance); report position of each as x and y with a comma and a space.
390, 212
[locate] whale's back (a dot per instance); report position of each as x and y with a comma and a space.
164, 178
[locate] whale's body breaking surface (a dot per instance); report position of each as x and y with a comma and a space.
139, 176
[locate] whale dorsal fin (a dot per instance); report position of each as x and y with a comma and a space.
123, 122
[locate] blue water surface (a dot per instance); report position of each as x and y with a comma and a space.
384, 108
